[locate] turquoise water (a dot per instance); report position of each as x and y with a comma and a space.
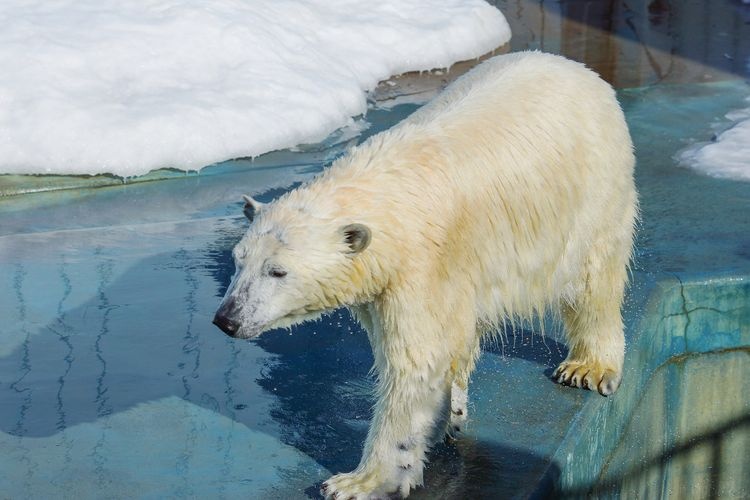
114, 383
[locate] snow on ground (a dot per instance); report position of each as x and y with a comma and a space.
91, 86
728, 155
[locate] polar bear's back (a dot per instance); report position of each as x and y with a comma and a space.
507, 85
519, 117
535, 165
501, 188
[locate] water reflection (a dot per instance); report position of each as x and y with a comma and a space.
104, 272
25, 365
121, 343
137, 339
63, 331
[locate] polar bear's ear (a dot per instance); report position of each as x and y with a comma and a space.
251, 208
357, 237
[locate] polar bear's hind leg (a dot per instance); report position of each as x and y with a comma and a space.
594, 328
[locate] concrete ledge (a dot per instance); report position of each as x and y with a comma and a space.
683, 384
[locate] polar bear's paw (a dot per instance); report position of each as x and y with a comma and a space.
354, 486
588, 375
375, 485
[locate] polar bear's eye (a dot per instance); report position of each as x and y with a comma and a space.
277, 273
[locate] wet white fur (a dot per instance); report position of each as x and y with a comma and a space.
510, 194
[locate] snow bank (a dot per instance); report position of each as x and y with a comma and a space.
728, 155
92, 86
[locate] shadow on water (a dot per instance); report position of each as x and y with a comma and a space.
480, 469
476, 469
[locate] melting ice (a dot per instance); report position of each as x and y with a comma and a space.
93, 86
728, 156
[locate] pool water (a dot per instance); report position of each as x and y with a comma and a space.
114, 383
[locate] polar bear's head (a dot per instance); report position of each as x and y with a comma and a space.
291, 267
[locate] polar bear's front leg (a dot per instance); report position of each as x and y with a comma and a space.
462, 367
459, 407
399, 437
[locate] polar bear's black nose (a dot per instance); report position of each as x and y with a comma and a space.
227, 325
224, 317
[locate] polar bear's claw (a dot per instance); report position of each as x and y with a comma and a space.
591, 376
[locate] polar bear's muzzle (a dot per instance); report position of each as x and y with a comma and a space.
226, 318
233, 321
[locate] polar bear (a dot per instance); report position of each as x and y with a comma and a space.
510, 195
